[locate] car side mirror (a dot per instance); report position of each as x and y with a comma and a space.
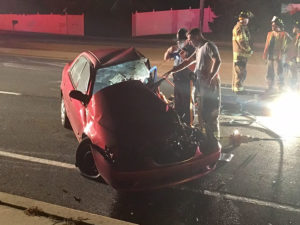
78, 96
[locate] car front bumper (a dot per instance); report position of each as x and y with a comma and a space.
159, 176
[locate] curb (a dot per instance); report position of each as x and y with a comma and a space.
60, 212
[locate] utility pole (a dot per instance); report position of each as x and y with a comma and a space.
201, 16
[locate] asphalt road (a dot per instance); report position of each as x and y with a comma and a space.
260, 185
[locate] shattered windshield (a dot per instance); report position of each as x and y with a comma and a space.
133, 70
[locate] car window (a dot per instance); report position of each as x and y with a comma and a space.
77, 69
84, 78
133, 70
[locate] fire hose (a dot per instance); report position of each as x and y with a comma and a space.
236, 139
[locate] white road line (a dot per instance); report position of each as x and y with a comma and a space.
243, 199
44, 63
252, 201
55, 81
205, 192
247, 89
37, 160
9, 93
22, 66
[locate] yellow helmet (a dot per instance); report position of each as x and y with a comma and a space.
246, 14
277, 21
297, 24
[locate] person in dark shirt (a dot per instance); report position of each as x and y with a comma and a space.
207, 85
182, 79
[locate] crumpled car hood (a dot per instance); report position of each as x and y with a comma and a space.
132, 113
135, 125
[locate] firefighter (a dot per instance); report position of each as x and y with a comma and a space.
274, 52
207, 84
293, 57
297, 45
182, 79
242, 50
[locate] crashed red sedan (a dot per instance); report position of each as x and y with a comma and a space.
127, 133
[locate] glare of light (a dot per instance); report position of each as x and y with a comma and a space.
236, 132
87, 128
285, 115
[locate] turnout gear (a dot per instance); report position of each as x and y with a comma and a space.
293, 58
276, 44
241, 44
241, 41
297, 44
297, 41
274, 52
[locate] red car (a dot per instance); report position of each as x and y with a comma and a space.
127, 133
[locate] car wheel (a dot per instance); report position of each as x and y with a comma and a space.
63, 115
85, 160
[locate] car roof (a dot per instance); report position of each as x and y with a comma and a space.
114, 56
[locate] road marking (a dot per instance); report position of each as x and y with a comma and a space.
9, 93
243, 199
252, 201
37, 160
55, 82
246, 89
58, 64
205, 192
22, 66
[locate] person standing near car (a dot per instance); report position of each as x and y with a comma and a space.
241, 45
293, 58
274, 52
182, 79
207, 85
296, 31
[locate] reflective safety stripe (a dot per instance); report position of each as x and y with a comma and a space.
240, 37
240, 42
237, 54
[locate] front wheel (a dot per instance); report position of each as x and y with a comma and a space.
63, 115
85, 160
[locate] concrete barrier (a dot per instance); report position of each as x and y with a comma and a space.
49, 23
168, 22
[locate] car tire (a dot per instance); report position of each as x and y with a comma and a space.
63, 115
85, 160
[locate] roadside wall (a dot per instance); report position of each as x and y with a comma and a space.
290, 8
50, 23
168, 22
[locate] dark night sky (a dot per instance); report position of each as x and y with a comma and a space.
79, 6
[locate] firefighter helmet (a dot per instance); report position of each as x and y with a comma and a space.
277, 21
246, 15
297, 24
181, 34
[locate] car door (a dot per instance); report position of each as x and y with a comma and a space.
80, 77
